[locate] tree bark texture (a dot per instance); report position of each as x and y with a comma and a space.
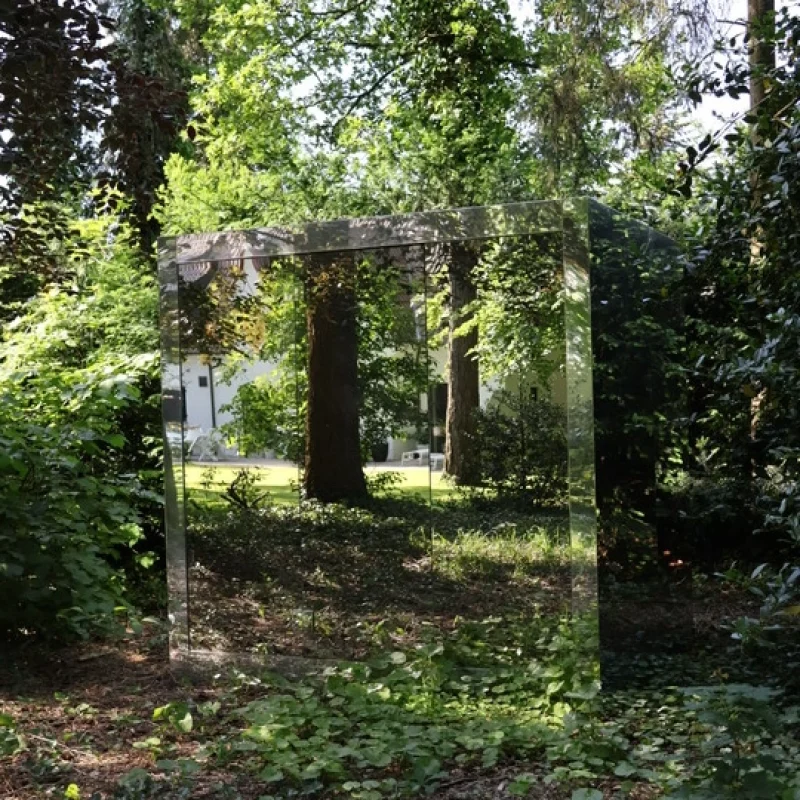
463, 398
761, 26
333, 471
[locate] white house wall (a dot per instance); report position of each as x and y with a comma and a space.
199, 398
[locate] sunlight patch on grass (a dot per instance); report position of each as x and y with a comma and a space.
206, 483
515, 554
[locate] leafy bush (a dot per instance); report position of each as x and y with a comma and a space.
265, 419
522, 449
79, 454
66, 518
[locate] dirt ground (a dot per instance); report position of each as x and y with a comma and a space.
81, 712
85, 712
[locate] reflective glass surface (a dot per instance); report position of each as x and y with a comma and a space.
381, 431
645, 567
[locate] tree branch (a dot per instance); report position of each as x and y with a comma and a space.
371, 89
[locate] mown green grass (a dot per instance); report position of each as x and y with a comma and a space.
206, 484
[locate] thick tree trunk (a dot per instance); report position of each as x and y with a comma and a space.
464, 389
333, 471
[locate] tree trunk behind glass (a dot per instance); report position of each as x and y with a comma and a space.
333, 471
464, 391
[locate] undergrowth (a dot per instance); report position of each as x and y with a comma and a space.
521, 703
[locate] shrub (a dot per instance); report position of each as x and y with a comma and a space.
65, 517
522, 447
79, 450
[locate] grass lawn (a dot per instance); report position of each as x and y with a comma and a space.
208, 482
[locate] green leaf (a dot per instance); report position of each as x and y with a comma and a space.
271, 774
587, 794
521, 785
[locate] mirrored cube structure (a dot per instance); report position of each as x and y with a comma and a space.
380, 431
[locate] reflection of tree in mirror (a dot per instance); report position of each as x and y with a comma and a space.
502, 300
270, 413
393, 370
215, 308
636, 340
521, 310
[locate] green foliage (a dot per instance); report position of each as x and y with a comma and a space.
52, 57
742, 290
263, 420
369, 108
522, 446
11, 742
398, 724
520, 311
740, 757
778, 591
393, 368
244, 491
150, 109
176, 714
76, 474
509, 548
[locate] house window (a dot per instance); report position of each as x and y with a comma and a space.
440, 401
202, 381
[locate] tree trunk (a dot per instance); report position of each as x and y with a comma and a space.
761, 30
333, 471
463, 398
761, 26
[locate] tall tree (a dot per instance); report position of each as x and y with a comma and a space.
327, 109
333, 443
150, 108
51, 92
761, 58
449, 70
463, 397
761, 29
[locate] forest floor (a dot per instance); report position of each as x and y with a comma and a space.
84, 719
440, 662
110, 720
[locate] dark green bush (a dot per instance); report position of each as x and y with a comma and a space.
66, 515
521, 449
